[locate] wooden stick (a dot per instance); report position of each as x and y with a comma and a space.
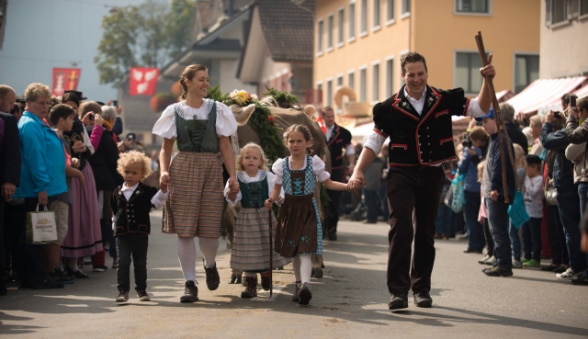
271, 247
499, 124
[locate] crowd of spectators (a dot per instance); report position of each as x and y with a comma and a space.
550, 164
60, 152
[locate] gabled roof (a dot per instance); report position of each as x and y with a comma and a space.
280, 30
288, 29
207, 12
208, 45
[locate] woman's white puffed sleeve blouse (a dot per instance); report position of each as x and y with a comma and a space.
165, 126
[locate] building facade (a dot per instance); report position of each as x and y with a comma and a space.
564, 38
359, 44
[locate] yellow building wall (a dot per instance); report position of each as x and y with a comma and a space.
432, 29
377, 45
438, 32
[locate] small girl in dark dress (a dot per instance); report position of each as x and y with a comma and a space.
299, 227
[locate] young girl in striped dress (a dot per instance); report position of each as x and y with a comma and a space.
251, 246
299, 227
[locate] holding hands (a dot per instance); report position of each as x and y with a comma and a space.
354, 184
163, 181
234, 185
357, 180
270, 201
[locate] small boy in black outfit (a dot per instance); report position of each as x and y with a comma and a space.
131, 203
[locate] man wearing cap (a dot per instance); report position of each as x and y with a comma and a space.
417, 120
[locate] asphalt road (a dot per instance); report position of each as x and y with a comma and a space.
350, 301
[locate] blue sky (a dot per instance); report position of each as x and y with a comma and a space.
42, 34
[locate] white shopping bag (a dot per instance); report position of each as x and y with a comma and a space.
41, 226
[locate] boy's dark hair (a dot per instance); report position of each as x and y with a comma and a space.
59, 111
533, 159
478, 133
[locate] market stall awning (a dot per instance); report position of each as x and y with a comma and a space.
504, 95
582, 92
544, 94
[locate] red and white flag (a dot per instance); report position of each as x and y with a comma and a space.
65, 79
143, 81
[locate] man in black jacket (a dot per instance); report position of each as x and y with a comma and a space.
339, 143
9, 165
417, 120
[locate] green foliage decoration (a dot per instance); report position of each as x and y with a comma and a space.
269, 133
261, 120
284, 99
216, 94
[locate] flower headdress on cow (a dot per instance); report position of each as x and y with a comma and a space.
248, 110
240, 97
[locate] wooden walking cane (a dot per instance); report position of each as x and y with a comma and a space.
499, 123
271, 257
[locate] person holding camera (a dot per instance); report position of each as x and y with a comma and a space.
473, 143
106, 177
131, 143
555, 139
578, 135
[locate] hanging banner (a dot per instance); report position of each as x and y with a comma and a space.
143, 81
65, 79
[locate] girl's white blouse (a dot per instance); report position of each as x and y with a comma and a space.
271, 181
318, 168
226, 125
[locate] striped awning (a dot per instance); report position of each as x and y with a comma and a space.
545, 94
